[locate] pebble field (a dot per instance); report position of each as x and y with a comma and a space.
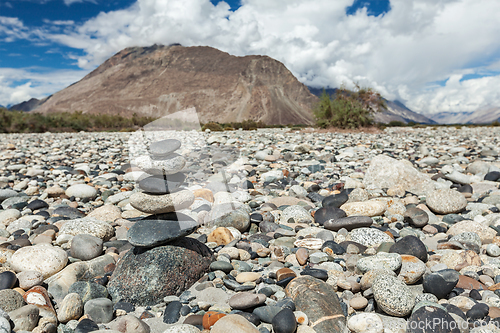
271, 230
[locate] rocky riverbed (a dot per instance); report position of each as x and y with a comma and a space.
251, 231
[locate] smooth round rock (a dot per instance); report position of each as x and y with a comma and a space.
369, 236
365, 323
86, 326
478, 311
100, 310
7, 280
245, 300
392, 295
233, 323
71, 308
441, 283
416, 217
162, 184
88, 225
365, 208
37, 204
412, 269
10, 300
44, 258
382, 260
410, 245
349, 223
29, 279
284, 322
446, 201
358, 303
160, 229
82, 191
86, 247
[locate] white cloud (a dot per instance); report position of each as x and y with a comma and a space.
18, 85
400, 53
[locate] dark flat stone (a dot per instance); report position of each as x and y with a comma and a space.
317, 273
162, 185
322, 215
349, 223
160, 229
7, 280
492, 176
172, 312
335, 200
334, 247
69, 212
266, 313
441, 283
37, 204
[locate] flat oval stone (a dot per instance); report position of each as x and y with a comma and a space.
315, 272
28, 279
267, 313
369, 236
171, 164
349, 223
43, 258
335, 200
68, 212
446, 201
71, 308
86, 247
160, 229
163, 203
416, 217
382, 260
162, 184
365, 208
37, 204
163, 148
246, 300
82, 191
100, 310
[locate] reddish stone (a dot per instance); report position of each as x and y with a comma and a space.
284, 273
469, 283
38, 296
210, 318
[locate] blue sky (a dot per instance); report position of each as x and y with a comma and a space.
441, 55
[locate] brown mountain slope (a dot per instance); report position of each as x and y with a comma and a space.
159, 80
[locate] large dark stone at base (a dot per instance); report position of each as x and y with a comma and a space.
349, 223
319, 302
410, 245
335, 200
144, 277
430, 319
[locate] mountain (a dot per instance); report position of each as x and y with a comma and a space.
159, 80
483, 115
28, 105
395, 111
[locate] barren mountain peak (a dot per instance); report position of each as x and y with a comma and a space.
160, 80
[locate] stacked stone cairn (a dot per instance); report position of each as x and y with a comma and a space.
178, 262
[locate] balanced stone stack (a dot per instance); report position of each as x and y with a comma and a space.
161, 191
164, 261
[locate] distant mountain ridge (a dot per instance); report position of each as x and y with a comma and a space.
26, 106
395, 111
484, 115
